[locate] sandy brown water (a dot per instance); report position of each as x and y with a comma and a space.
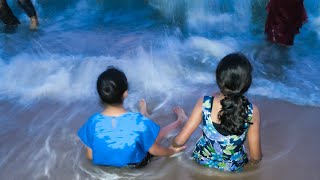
39, 141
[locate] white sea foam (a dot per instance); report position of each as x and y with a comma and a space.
203, 16
175, 63
316, 24
278, 90
216, 48
57, 76
157, 71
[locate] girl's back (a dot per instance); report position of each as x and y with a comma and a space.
218, 148
227, 121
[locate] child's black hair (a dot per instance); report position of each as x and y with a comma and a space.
234, 76
111, 85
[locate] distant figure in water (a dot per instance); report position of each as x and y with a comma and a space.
10, 19
117, 137
285, 18
227, 119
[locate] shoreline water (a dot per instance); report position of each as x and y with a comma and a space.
39, 141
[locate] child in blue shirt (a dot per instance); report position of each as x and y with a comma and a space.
116, 137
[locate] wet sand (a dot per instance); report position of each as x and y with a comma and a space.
39, 141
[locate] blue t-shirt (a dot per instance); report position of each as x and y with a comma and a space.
119, 141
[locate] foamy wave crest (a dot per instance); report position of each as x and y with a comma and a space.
74, 77
56, 76
203, 16
216, 48
278, 90
214, 16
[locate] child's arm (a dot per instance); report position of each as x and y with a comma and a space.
158, 150
254, 137
191, 125
89, 153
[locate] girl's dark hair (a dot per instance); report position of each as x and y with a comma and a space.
111, 85
234, 76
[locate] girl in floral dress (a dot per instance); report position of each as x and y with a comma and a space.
228, 119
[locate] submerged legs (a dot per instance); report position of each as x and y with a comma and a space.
6, 14
28, 7
10, 19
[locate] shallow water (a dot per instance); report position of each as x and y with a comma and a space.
169, 51
39, 142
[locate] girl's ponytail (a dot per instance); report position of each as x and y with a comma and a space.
234, 78
233, 113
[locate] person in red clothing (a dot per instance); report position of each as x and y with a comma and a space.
285, 18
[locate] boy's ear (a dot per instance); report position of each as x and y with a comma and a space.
125, 94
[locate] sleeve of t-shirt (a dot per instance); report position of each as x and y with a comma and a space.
149, 135
85, 133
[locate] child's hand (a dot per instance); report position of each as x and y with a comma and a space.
177, 149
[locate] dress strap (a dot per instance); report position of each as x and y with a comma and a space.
250, 116
206, 109
250, 112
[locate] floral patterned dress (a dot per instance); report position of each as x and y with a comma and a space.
215, 150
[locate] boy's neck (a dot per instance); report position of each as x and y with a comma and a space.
114, 110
